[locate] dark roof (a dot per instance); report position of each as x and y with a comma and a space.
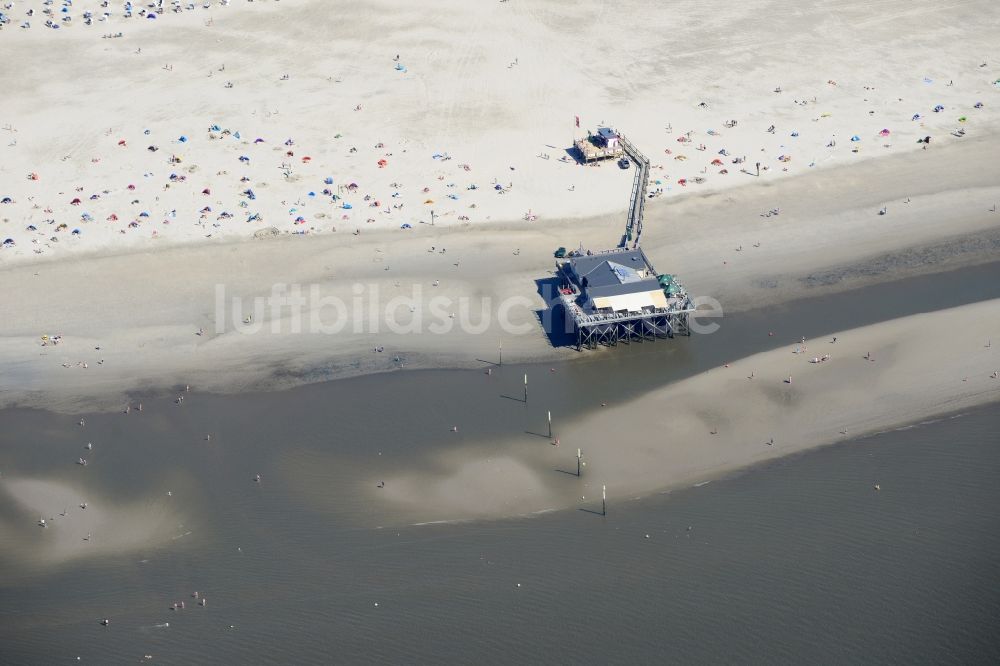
599, 273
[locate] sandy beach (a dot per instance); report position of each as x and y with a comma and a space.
782, 168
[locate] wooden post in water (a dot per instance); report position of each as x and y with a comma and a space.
550, 425
604, 500
526, 388
578, 456
500, 348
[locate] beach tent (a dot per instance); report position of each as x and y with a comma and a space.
6, 200
916, 116
151, 15
328, 180
144, 214
9, 242
347, 206
405, 226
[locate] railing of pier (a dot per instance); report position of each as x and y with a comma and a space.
633, 226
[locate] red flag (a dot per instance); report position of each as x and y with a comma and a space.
578, 121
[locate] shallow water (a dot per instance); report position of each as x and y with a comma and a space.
799, 560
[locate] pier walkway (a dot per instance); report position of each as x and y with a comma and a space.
633, 226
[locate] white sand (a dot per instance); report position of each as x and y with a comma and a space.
718, 421
141, 292
70, 97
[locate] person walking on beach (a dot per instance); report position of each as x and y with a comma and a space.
758, 169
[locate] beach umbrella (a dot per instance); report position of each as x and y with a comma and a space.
206, 191
855, 138
306, 158
133, 225
182, 139
938, 108
76, 232
121, 142
884, 132
131, 187
795, 133
715, 162
151, 15
75, 202
347, 206
300, 219
258, 140
328, 180
32, 227
405, 226
112, 218
916, 116
244, 158
6, 200
962, 119
429, 201
9, 242
143, 214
